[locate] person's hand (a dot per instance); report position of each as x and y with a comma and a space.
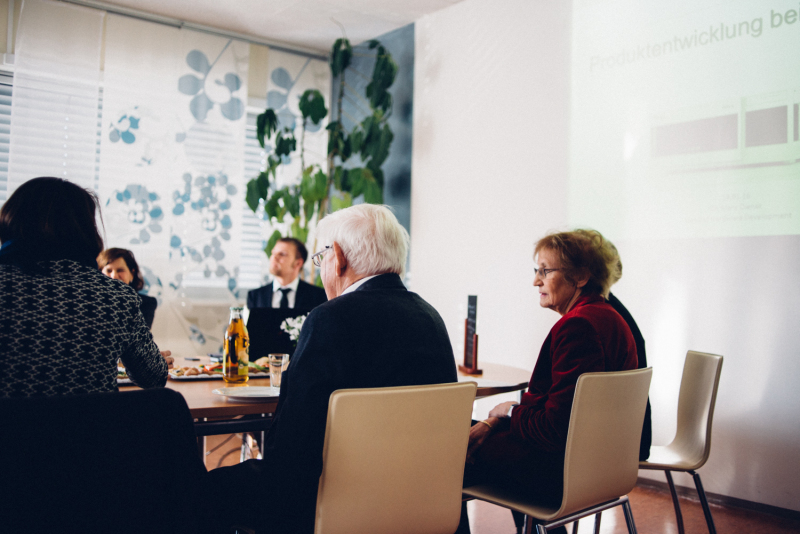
168, 358
477, 435
501, 410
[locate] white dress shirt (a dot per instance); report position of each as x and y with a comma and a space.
355, 285
291, 295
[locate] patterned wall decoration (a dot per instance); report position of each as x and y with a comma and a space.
171, 167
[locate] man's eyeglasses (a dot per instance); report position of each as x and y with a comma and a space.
317, 258
543, 272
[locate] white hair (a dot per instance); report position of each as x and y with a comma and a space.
370, 237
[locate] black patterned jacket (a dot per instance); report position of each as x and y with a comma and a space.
62, 333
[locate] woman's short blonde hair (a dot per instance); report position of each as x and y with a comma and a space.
585, 252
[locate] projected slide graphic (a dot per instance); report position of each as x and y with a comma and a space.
685, 119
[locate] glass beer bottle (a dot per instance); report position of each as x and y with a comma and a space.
236, 350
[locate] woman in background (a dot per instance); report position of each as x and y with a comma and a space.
522, 446
119, 264
647, 426
63, 324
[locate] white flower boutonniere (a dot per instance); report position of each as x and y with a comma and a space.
292, 326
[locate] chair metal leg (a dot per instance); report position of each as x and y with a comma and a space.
597, 522
626, 508
706, 510
519, 520
675, 502
540, 529
575, 527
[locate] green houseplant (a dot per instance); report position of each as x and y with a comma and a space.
355, 155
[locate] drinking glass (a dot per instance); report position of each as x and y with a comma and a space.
277, 365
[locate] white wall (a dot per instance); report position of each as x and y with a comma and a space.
490, 176
489, 166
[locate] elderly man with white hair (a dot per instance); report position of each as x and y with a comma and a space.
372, 332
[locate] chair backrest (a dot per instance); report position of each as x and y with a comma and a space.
605, 427
393, 459
696, 401
108, 462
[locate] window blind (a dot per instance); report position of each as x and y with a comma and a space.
253, 259
56, 94
6, 91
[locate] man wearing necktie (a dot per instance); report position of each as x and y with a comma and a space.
287, 290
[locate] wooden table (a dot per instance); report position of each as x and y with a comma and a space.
203, 404
215, 413
497, 378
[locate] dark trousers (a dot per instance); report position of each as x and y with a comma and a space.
507, 461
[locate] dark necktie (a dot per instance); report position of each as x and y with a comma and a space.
285, 297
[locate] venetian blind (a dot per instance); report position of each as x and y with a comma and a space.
6, 90
252, 251
56, 94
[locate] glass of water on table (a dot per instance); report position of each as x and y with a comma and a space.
277, 365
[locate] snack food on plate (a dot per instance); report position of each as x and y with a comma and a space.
211, 370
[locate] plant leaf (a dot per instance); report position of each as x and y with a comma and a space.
271, 242
320, 186
341, 203
253, 195
285, 145
298, 232
308, 210
292, 203
312, 106
356, 140
307, 186
372, 192
341, 54
272, 207
263, 184
377, 149
339, 178
266, 125
383, 76
355, 179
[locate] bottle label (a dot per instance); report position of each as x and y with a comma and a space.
244, 358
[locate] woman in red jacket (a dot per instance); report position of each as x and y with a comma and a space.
522, 445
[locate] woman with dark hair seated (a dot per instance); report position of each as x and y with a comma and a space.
522, 446
63, 324
119, 264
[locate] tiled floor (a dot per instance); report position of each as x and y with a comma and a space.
652, 510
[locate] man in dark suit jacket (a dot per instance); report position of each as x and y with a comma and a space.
287, 290
372, 332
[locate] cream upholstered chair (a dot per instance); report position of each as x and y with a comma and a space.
692, 444
393, 459
602, 455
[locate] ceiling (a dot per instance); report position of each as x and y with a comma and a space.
310, 25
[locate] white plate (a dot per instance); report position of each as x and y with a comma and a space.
248, 393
